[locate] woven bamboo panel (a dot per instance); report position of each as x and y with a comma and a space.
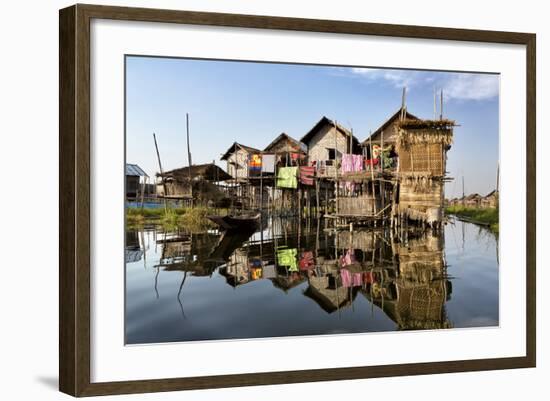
420, 157
358, 206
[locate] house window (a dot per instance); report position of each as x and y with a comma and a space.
331, 153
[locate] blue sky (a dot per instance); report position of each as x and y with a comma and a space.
252, 103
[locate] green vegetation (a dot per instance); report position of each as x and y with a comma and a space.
486, 216
192, 219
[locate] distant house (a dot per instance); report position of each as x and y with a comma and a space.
237, 157
327, 141
196, 182
490, 200
134, 181
287, 148
472, 200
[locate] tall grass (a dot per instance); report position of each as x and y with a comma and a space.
192, 219
482, 215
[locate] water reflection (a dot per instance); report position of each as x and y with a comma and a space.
298, 278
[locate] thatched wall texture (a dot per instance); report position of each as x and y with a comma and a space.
365, 205
419, 158
364, 240
421, 199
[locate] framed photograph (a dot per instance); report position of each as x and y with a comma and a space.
249, 200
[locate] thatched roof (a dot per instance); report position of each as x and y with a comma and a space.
324, 121
296, 145
416, 123
237, 145
207, 172
374, 136
425, 132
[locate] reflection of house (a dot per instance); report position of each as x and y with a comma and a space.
132, 251
203, 178
237, 157
135, 180
416, 298
329, 293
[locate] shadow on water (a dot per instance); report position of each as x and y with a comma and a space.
296, 277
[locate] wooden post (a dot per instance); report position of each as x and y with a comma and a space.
317, 196
441, 106
189, 159
143, 189
161, 172
262, 184
382, 160
403, 96
372, 175
336, 166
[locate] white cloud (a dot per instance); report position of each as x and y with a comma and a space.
397, 78
458, 86
471, 86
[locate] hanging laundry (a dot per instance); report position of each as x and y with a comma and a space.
351, 163
255, 163
368, 278
376, 151
269, 272
268, 163
370, 163
345, 275
287, 177
287, 257
348, 258
387, 162
350, 279
306, 175
306, 260
256, 273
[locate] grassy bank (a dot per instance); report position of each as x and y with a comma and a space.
487, 216
192, 219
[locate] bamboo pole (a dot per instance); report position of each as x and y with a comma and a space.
336, 166
372, 174
161, 172
189, 163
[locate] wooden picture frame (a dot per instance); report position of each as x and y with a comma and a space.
74, 202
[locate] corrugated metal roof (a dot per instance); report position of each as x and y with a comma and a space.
135, 170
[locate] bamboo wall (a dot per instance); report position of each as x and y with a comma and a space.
327, 137
421, 199
427, 158
365, 205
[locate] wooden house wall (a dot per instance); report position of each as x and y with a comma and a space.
237, 164
327, 137
284, 146
390, 135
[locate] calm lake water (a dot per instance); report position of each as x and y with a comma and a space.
295, 278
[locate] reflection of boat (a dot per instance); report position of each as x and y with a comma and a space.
237, 222
228, 243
